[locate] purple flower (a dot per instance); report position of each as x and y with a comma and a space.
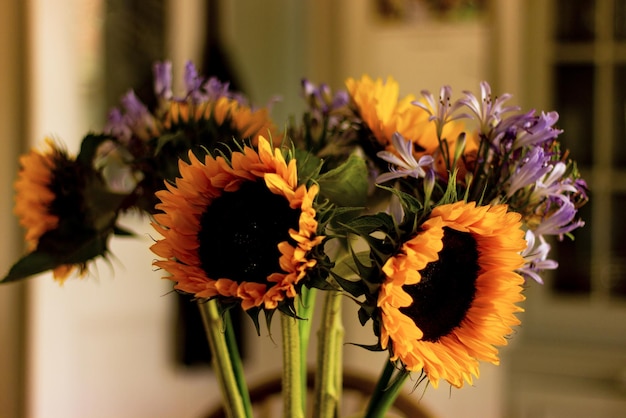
136, 111
529, 170
553, 183
116, 125
488, 111
136, 120
320, 98
163, 79
537, 130
193, 82
560, 221
441, 111
407, 165
536, 258
215, 89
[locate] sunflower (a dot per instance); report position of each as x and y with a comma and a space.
44, 197
379, 104
224, 118
34, 194
240, 229
449, 297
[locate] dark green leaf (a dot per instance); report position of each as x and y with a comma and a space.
347, 184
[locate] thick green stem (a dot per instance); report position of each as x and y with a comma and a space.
221, 358
386, 391
235, 357
305, 311
329, 376
293, 390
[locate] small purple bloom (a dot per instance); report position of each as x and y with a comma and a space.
163, 79
529, 170
553, 183
561, 221
442, 111
536, 258
193, 82
320, 98
215, 89
135, 109
538, 130
407, 165
488, 111
116, 125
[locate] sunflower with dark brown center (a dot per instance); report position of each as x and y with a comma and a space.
239, 229
49, 204
450, 295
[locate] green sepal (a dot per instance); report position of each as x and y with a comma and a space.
365, 226
355, 288
253, 313
319, 283
347, 184
369, 347
366, 312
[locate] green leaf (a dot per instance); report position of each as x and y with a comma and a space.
347, 184
366, 224
54, 251
30, 265
308, 165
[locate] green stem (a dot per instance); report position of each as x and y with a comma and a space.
293, 392
385, 393
328, 379
222, 364
306, 313
233, 350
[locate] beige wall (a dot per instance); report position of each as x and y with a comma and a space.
12, 119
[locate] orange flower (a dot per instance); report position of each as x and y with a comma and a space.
379, 105
37, 188
230, 117
240, 229
450, 295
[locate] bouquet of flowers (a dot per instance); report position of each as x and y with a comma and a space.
430, 213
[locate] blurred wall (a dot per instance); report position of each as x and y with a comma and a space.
12, 118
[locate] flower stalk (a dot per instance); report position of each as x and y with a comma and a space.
226, 365
386, 391
328, 383
305, 312
293, 390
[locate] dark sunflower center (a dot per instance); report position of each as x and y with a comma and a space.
240, 231
445, 293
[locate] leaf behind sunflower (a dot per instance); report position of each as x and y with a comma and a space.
42, 260
347, 184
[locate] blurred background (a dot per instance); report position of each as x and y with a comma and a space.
109, 346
